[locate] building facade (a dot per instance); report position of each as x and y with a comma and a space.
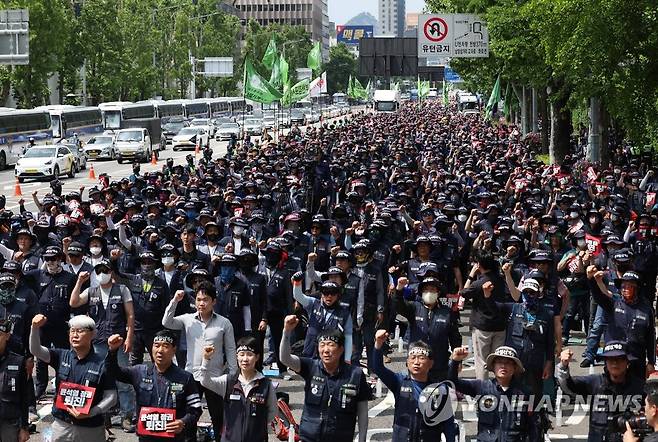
391, 17
313, 15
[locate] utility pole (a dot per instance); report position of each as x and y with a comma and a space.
594, 140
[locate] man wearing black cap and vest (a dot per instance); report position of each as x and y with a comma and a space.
233, 298
110, 305
14, 393
168, 400
53, 285
335, 393
630, 319
83, 387
326, 313
17, 313
430, 322
612, 393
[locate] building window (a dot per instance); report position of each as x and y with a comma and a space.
276, 7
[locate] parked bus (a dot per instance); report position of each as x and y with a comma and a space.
164, 110
339, 97
219, 107
68, 120
17, 127
197, 108
238, 106
116, 112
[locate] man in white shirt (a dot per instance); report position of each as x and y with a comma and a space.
204, 328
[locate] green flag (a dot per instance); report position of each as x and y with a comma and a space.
295, 93
314, 59
358, 92
507, 108
269, 59
493, 99
275, 76
369, 88
283, 69
446, 99
256, 88
350, 87
396, 86
423, 88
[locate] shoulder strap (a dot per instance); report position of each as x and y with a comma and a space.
230, 383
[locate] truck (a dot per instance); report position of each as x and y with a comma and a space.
139, 140
467, 103
386, 100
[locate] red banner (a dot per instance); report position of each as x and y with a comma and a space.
591, 175
153, 421
70, 395
593, 244
651, 199
572, 264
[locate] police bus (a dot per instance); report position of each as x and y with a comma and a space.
17, 127
115, 113
67, 120
238, 106
197, 108
219, 107
164, 110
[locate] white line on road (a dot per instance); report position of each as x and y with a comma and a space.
388, 402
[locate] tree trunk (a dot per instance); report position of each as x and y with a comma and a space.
604, 125
560, 125
545, 125
524, 110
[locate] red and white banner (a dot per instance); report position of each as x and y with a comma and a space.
651, 199
318, 86
153, 421
591, 175
593, 244
70, 395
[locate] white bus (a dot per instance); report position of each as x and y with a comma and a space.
116, 112
386, 100
68, 120
468, 103
197, 108
164, 110
17, 127
219, 107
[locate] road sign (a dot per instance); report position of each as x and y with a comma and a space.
471, 37
451, 76
452, 35
14, 36
435, 29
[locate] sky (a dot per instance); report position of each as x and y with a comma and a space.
342, 10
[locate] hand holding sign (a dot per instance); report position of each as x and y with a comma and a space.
76, 413
176, 426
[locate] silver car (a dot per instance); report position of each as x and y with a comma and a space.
253, 126
79, 154
100, 147
227, 130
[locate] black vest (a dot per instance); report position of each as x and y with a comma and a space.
54, 294
150, 393
11, 390
321, 319
94, 366
18, 312
435, 332
110, 320
330, 415
530, 344
149, 305
408, 423
247, 416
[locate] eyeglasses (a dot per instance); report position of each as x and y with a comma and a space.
329, 294
78, 331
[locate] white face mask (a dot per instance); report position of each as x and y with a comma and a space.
104, 278
582, 243
95, 251
168, 261
238, 231
462, 218
430, 298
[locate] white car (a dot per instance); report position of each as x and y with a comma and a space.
253, 126
204, 122
45, 162
269, 122
101, 147
226, 130
189, 137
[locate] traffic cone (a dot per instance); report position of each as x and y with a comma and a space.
17, 189
92, 172
154, 160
